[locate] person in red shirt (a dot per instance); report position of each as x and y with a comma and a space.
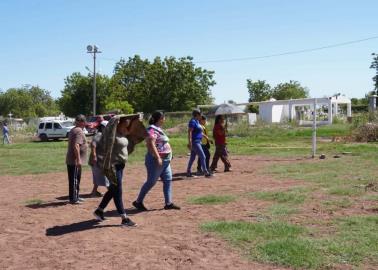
219, 134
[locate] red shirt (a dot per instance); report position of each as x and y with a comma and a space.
219, 134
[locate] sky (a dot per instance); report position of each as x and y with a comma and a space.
44, 41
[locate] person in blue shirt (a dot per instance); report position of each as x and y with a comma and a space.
194, 144
5, 134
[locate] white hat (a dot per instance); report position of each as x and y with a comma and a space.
104, 123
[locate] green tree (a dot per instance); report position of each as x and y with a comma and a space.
258, 91
119, 106
170, 84
27, 102
77, 95
290, 90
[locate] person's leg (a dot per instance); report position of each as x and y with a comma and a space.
118, 200
191, 160
207, 155
71, 173
107, 197
166, 176
217, 155
78, 178
224, 158
201, 155
153, 173
199, 169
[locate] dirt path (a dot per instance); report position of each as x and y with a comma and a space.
56, 235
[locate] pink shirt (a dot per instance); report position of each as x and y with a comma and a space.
161, 140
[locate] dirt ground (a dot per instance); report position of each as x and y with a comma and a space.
57, 235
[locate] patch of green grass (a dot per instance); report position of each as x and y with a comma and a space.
212, 199
33, 202
342, 203
275, 242
292, 252
281, 210
355, 241
292, 196
371, 197
352, 241
345, 191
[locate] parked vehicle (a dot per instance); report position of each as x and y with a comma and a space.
54, 129
93, 122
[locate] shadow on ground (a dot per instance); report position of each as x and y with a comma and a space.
76, 227
46, 205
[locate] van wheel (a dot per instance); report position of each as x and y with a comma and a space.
43, 137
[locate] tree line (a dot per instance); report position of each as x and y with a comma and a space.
143, 85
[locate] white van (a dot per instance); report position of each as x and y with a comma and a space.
54, 129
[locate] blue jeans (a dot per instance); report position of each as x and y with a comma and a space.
115, 192
154, 171
6, 138
197, 150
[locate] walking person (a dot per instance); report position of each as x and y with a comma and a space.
6, 139
99, 179
219, 134
112, 156
205, 144
157, 161
76, 155
194, 144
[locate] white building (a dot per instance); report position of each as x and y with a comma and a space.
277, 111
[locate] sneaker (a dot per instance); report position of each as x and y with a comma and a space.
128, 222
81, 199
209, 175
190, 175
171, 206
99, 215
140, 206
76, 202
228, 170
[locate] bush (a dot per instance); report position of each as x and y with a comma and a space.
366, 133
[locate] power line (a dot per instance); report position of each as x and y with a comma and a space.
287, 53
272, 55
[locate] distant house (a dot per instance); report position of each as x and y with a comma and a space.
278, 111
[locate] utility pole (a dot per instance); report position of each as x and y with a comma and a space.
314, 129
93, 50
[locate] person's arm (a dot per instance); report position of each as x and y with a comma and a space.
77, 154
190, 132
93, 154
153, 150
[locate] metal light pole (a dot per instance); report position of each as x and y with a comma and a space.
314, 130
93, 50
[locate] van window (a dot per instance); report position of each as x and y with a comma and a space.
41, 125
57, 126
48, 126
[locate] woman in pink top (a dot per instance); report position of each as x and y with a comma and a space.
158, 159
